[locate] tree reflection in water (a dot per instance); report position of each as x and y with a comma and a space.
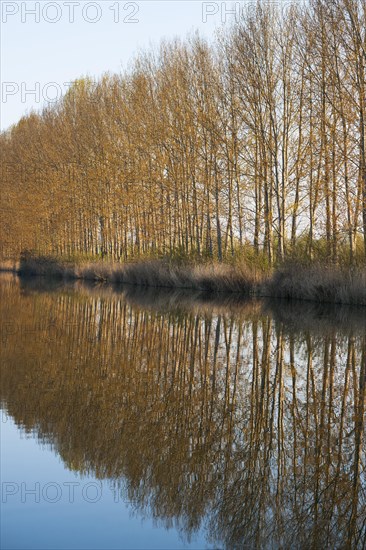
247, 418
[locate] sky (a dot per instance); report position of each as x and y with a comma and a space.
47, 44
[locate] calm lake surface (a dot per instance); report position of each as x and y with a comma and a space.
148, 419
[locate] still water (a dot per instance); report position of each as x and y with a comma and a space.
146, 419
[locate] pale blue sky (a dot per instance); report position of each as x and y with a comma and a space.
34, 54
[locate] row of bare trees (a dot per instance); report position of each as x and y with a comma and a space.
204, 149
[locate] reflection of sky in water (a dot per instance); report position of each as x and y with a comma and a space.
27, 524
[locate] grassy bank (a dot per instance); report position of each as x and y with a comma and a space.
319, 283
153, 273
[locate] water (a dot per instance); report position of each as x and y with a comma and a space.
146, 419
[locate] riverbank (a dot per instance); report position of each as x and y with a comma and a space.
318, 283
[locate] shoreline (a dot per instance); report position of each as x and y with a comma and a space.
314, 283
297, 316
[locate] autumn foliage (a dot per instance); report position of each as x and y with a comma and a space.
254, 142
